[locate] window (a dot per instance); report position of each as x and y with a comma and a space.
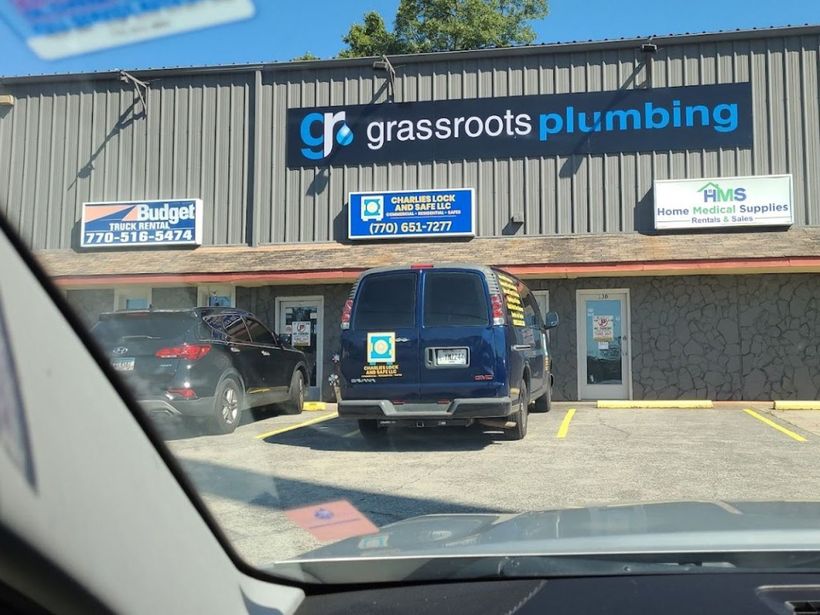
132, 298
217, 296
231, 324
259, 333
386, 301
542, 297
156, 325
531, 316
454, 298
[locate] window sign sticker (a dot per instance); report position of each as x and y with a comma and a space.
602, 330
301, 333
55, 29
332, 520
381, 348
14, 439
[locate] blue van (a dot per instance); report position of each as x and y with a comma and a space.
432, 345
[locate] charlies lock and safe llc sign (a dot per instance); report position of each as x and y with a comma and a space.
411, 213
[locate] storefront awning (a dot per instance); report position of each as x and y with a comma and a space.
634, 254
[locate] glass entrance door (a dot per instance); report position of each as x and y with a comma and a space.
299, 321
604, 367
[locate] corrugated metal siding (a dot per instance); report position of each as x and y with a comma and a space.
221, 137
66, 143
558, 194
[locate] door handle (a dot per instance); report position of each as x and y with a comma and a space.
265, 353
399, 340
234, 349
522, 346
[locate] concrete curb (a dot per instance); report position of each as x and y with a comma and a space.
796, 405
671, 404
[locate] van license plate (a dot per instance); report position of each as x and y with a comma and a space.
123, 364
451, 356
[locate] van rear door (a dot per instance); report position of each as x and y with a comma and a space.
380, 352
458, 342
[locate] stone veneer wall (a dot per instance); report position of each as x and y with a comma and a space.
754, 337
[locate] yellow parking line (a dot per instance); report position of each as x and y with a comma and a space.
276, 432
774, 425
564, 428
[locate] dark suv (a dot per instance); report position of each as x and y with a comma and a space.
209, 363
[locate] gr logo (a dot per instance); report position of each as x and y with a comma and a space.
372, 208
381, 348
318, 132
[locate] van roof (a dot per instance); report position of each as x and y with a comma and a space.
485, 269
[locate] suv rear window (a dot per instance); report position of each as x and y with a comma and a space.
453, 298
386, 301
142, 325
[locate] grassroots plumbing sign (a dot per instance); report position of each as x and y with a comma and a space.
763, 200
679, 118
142, 223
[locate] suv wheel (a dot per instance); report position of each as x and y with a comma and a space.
227, 406
519, 430
370, 429
296, 403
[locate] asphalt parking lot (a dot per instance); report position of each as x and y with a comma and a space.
576, 455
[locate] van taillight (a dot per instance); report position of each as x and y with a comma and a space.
346, 311
498, 310
189, 352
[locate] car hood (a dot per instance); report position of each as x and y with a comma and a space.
672, 527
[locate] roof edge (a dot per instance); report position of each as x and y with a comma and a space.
423, 58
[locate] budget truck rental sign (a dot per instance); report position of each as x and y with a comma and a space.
411, 213
764, 200
119, 224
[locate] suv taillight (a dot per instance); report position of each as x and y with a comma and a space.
189, 352
346, 311
498, 310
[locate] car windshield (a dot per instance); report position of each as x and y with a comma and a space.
442, 280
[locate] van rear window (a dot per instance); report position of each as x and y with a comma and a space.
454, 299
386, 301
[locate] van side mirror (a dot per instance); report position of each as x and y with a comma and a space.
551, 320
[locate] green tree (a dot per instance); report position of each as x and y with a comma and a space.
446, 25
370, 38
306, 56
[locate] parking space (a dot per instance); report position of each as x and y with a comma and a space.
576, 455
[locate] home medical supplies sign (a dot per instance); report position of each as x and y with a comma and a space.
142, 223
411, 213
764, 200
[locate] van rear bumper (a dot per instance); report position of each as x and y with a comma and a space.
482, 408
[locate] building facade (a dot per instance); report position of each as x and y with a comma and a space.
583, 162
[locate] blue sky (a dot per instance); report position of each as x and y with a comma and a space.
281, 30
